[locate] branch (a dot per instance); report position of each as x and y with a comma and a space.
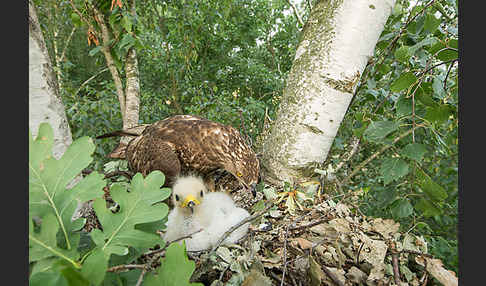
296, 13
105, 35
90, 79
63, 54
233, 228
360, 166
125, 267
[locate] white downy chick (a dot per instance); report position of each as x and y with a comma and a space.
224, 214
195, 209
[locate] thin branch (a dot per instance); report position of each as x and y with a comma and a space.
296, 13
396, 272
360, 166
125, 267
447, 74
89, 79
285, 242
170, 242
63, 54
236, 226
140, 278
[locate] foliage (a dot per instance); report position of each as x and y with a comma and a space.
411, 83
228, 60
176, 268
59, 251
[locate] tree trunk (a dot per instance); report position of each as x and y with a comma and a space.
132, 92
44, 102
337, 41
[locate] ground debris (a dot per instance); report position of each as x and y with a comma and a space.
328, 236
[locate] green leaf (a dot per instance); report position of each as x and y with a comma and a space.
438, 114
95, 266
431, 23
136, 207
126, 42
404, 106
393, 169
378, 130
176, 268
402, 54
44, 244
415, 151
447, 55
433, 190
76, 20
49, 177
403, 82
423, 94
94, 51
427, 208
401, 208
47, 278
127, 23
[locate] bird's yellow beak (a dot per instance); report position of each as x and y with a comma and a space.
190, 200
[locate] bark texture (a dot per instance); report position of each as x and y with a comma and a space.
337, 41
45, 104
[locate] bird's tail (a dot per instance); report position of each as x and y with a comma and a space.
132, 131
116, 134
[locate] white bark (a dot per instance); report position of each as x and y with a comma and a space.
337, 41
44, 102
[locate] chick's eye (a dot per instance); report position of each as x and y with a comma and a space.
177, 197
202, 194
239, 174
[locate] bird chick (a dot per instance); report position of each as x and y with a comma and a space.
195, 209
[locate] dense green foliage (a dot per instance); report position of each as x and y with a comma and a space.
55, 248
228, 60
411, 82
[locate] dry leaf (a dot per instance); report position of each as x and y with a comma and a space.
435, 268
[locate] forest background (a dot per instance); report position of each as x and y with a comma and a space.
228, 61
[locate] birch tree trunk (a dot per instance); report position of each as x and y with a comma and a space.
337, 41
45, 104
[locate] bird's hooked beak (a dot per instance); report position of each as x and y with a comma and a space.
190, 202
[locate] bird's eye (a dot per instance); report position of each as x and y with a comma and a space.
239, 174
177, 197
202, 194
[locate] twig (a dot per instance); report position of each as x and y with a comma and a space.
89, 79
125, 267
360, 166
396, 272
170, 242
285, 242
332, 276
296, 13
319, 221
140, 278
278, 278
447, 74
118, 173
236, 226
359, 251
416, 252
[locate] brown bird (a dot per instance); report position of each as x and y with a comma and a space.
187, 144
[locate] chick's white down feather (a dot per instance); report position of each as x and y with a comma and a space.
214, 213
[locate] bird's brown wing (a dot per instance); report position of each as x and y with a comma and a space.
146, 154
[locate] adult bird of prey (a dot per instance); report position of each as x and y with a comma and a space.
184, 144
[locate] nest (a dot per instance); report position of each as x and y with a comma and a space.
325, 244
